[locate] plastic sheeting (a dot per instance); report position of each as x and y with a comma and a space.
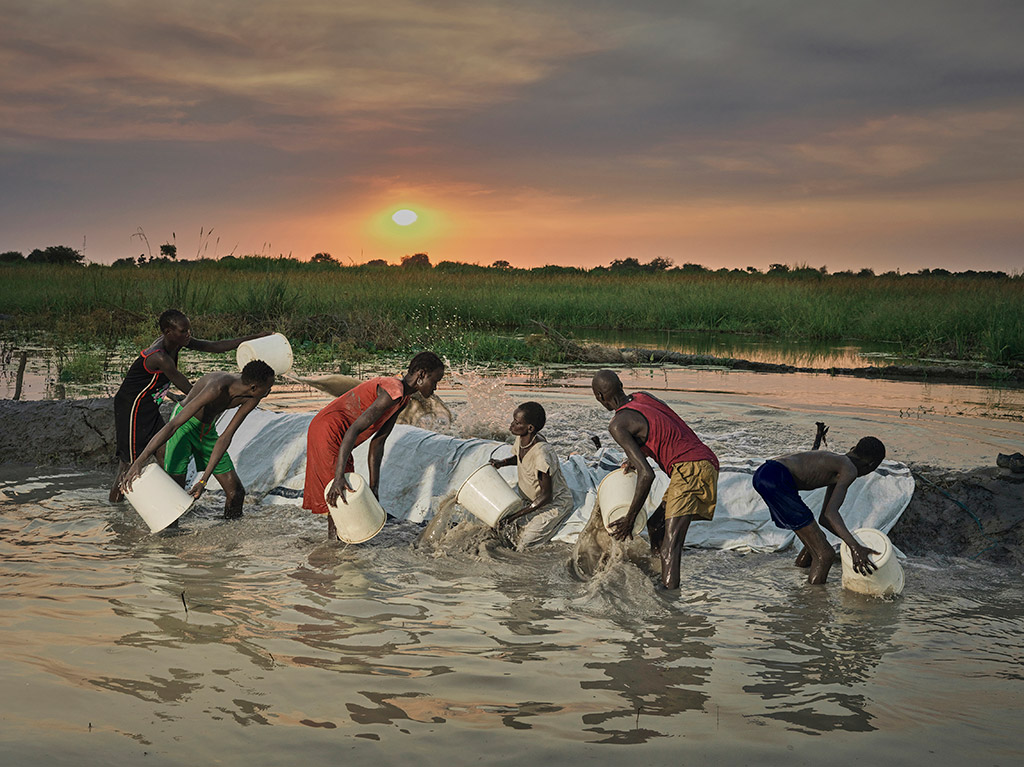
420, 467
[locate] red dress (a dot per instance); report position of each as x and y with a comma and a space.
327, 430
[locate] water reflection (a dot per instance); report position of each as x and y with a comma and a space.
814, 655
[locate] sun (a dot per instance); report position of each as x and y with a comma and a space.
404, 217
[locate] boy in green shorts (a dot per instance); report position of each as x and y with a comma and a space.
192, 432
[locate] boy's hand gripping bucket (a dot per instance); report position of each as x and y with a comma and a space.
887, 580
615, 495
487, 496
157, 498
361, 516
274, 350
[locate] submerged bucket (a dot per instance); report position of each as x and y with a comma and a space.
487, 496
615, 496
274, 350
361, 516
887, 580
157, 498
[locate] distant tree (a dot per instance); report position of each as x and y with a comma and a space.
753, 270
169, 250
376, 262
56, 254
659, 264
11, 257
416, 261
693, 268
777, 269
625, 265
500, 264
866, 272
324, 258
124, 262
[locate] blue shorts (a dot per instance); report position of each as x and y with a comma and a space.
774, 482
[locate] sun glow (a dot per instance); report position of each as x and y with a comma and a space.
404, 217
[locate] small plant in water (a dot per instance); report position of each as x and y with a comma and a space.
82, 368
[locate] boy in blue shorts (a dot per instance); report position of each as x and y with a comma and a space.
192, 432
779, 480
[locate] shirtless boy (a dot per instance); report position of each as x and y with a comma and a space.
369, 410
644, 426
137, 403
778, 482
548, 498
192, 431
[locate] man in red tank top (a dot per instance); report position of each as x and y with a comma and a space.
644, 426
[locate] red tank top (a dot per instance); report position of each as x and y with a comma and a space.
669, 439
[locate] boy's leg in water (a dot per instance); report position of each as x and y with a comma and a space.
821, 554
803, 559
116, 495
672, 549
656, 528
234, 493
332, 529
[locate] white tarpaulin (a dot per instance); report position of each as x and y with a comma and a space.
420, 467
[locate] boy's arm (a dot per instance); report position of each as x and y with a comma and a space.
619, 428
365, 420
833, 522
164, 362
543, 499
222, 444
202, 345
187, 411
511, 461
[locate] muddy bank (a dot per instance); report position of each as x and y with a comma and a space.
977, 514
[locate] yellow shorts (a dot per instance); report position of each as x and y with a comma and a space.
692, 490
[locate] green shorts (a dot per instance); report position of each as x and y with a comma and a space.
194, 440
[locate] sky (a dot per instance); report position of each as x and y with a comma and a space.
728, 133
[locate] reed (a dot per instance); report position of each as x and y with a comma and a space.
477, 312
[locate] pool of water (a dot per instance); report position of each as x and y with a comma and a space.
256, 642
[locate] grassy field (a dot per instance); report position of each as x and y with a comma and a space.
480, 314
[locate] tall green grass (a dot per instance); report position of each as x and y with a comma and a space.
397, 309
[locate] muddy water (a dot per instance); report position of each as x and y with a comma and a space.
255, 642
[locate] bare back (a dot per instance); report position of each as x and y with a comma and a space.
214, 390
819, 468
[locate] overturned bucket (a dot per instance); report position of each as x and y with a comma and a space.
887, 580
360, 516
487, 496
157, 498
273, 349
615, 496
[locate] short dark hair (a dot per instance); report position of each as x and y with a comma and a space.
174, 317
427, 361
870, 449
533, 414
257, 372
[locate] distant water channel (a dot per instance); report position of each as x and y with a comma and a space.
256, 643
750, 347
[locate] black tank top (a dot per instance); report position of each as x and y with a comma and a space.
140, 381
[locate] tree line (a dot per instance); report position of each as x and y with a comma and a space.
65, 255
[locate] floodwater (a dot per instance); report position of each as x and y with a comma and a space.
255, 642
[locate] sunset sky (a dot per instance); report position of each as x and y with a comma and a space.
878, 134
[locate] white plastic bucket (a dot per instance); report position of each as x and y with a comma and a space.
487, 496
274, 350
615, 496
157, 498
887, 580
360, 516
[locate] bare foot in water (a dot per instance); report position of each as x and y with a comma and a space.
803, 559
820, 567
